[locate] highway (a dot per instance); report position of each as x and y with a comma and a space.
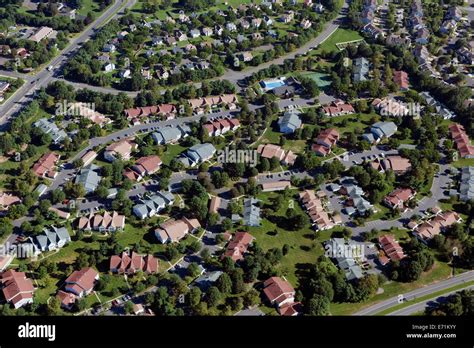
420, 307
412, 295
42, 78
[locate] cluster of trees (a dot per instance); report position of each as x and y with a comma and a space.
82, 67
458, 304
419, 259
198, 198
324, 283
376, 184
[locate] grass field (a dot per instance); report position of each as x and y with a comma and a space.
339, 36
463, 162
305, 244
172, 151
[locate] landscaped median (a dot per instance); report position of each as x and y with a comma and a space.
431, 296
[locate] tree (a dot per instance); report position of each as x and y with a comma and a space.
54, 306
251, 298
224, 283
213, 296
128, 307
318, 306
194, 296
193, 270
238, 284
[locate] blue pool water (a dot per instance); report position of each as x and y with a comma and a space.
271, 85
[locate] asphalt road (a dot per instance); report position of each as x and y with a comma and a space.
420, 307
26, 93
235, 76
412, 295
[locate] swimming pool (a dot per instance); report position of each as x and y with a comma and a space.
271, 84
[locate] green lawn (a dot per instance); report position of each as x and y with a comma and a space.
339, 36
463, 162
172, 151
88, 6
322, 80
305, 244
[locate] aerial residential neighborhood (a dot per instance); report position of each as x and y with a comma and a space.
236, 158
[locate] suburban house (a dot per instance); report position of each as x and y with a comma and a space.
427, 230
88, 158
289, 122
390, 107
169, 135
269, 151
172, 230
238, 246
465, 55
466, 186
346, 255
45, 167
167, 110
50, 239
199, 105
89, 178
251, 212
109, 67
222, 126
325, 141
42, 33
314, 207
355, 202
281, 294
144, 166
337, 108
81, 283
401, 79
197, 154
121, 149
60, 213
398, 198
215, 205
360, 69
104, 222
205, 281
461, 139
66, 299
5, 261
397, 164
153, 204
57, 135
440, 108
7, 200
131, 263
81, 109
391, 249
397, 40
17, 288
379, 131
275, 185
